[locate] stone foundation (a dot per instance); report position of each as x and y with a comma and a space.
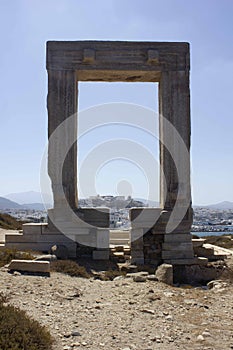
84, 234
150, 244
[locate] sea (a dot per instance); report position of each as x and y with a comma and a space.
205, 234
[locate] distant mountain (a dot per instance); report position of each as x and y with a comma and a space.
221, 205
28, 197
36, 206
7, 204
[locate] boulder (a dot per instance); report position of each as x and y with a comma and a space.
139, 279
164, 273
217, 284
197, 274
152, 278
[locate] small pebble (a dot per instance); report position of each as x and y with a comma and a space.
200, 338
75, 334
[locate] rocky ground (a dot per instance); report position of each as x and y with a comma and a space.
123, 314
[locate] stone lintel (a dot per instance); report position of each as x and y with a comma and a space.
153, 56
119, 56
88, 56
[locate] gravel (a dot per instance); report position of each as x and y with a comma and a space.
122, 314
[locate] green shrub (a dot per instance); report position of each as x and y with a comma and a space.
6, 255
20, 332
70, 268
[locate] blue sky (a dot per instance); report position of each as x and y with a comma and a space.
26, 25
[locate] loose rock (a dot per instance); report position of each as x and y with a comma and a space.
164, 273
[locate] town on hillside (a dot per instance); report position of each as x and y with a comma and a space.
205, 219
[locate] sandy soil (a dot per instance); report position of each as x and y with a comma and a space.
123, 314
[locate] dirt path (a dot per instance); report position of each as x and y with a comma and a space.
123, 314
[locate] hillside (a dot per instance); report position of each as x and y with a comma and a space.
28, 197
223, 205
9, 223
8, 204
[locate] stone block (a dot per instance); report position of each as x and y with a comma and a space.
102, 239
59, 214
97, 217
192, 261
177, 237
136, 234
89, 240
179, 246
31, 229
198, 242
205, 252
144, 217
137, 245
177, 254
137, 260
100, 254
117, 234
20, 238
137, 253
164, 273
31, 266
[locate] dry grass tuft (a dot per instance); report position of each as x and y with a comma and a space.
70, 268
6, 255
20, 332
